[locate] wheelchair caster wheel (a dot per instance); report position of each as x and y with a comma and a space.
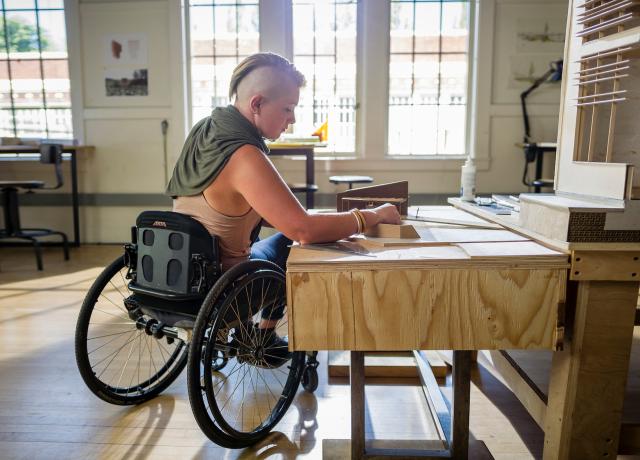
218, 361
310, 379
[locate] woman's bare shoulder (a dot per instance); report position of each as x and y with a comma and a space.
248, 157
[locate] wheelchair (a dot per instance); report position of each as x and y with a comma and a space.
165, 305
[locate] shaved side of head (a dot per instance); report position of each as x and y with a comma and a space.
268, 82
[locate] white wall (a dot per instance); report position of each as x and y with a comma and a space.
129, 159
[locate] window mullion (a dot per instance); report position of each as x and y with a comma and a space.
372, 79
276, 28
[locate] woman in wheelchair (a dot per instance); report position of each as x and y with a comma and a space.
195, 288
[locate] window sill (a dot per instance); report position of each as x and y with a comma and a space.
433, 163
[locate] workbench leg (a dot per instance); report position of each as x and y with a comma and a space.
588, 378
356, 377
461, 398
75, 202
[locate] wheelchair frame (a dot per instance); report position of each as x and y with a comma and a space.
196, 316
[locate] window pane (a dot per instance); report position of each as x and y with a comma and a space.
30, 123
56, 83
222, 34
427, 27
5, 86
401, 27
455, 27
428, 77
51, 4
22, 34
324, 42
19, 4
26, 83
201, 31
58, 122
52, 32
6, 122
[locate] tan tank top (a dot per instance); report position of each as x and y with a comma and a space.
234, 232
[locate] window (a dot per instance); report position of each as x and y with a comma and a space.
35, 99
429, 42
324, 50
222, 33
425, 111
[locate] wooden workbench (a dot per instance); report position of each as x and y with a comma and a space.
489, 290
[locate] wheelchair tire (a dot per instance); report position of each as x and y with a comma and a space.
266, 393
106, 336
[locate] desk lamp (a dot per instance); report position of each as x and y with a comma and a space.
553, 74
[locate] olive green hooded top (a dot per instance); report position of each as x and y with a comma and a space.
208, 147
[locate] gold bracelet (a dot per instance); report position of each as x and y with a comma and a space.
363, 221
358, 223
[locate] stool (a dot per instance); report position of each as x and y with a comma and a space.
308, 189
350, 180
49, 154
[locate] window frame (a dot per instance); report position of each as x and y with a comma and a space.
45, 105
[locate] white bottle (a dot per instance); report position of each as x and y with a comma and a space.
468, 181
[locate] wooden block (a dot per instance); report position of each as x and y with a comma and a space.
393, 231
609, 266
381, 364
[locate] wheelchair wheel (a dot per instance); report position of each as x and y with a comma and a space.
240, 406
119, 359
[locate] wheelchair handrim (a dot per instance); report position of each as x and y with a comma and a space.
221, 321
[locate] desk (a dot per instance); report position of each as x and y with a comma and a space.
298, 149
539, 149
490, 296
32, 153
460, 296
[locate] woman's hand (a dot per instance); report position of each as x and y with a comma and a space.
385, 214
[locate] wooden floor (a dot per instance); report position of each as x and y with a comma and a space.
47, 412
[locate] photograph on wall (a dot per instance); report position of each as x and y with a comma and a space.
126, 49
125, 82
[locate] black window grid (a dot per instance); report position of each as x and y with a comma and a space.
45, 103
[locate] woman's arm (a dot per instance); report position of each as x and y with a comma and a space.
252, 175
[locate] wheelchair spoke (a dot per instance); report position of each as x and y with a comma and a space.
247, 368
108, 335
128, 323
109, 341
255, 396
119, 307
115, 353
125, 365
117, 316
116, 287
266, 384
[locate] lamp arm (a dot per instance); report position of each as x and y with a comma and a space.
523, 96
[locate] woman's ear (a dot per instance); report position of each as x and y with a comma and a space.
255, 102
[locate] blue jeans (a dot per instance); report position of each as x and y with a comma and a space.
275, 249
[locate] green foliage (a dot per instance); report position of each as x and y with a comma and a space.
22, 37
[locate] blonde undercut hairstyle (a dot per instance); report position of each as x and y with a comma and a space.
275, 61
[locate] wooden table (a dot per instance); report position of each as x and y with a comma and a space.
69, 152
482, 289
